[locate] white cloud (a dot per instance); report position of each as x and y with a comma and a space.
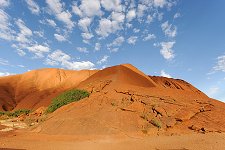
84, 23
114, 49
135, 30
213, 91
62, 15
60, 38
76, 10
5, 74
177, 15
6, 32
82, 49
169, 30
106, 27
88, 8
4, 62
220, 66
33, 7
20, 52
97, 46
149, 37
116, 43
131, 15
103, 60
166, 50
140, 10
4, 3
112, 5
164, 74
25, 32
21, 66
39, 50
118, 16
39, 33
149, 19
87, 36
132, 40
51, 22
60, 58
160, 3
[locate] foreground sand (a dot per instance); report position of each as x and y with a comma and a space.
30, 141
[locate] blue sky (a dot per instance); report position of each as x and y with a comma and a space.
174, 38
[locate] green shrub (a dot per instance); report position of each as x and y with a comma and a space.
20, 112
16, 113
156, 123
2, 113
66, 98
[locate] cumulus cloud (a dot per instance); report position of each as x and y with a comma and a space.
39, 33
97, 46
220, 65
25, 32
5, 74
60, 38
164, 74
140, 10
166, 50
169, 30
84, 24
87, 36
39, 50
62, 15
6, 32
149, 37
213, 91
87, 8
131, 15
103, 60
60, 58
4, 3
132, 40
177, 15
51, 22
160, 3
82, 49
20, 52
33, 7
113, 47
112, 5
149, 19
117, 42
135, 30
118, 16
106, 27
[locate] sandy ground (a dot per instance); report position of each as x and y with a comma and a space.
30, 141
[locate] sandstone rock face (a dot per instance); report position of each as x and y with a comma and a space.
36, 88
123, 101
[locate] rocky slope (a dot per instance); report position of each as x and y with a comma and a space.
123, 101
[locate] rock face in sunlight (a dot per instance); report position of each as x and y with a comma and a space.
123, 100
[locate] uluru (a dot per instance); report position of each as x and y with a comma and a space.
124, 103
112, 75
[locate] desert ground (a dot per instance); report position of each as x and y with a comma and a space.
126, 109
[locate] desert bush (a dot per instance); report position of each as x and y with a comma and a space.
2, 113
156, 123
16, 113
66, 98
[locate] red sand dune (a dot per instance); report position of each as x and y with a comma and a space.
123, 101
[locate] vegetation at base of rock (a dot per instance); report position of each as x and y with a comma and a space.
156, 123
16, 113
66, 98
